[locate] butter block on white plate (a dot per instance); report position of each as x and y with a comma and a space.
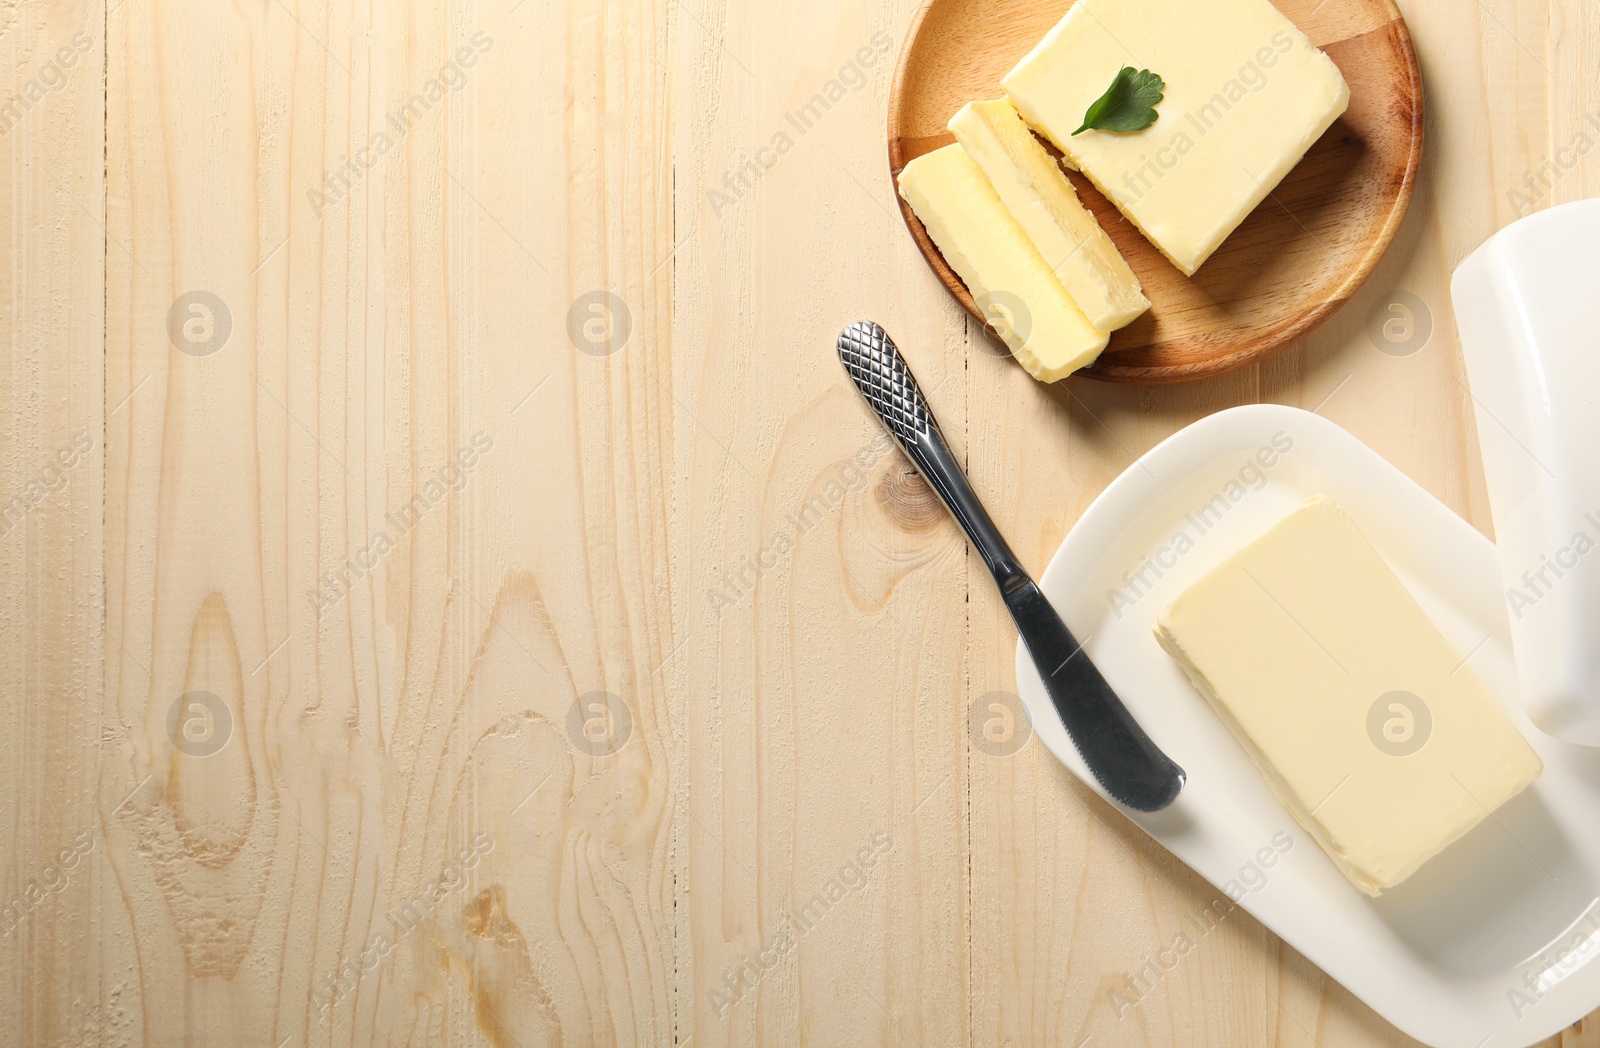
1247, 94
1032, 187
1369, 727
1041, 324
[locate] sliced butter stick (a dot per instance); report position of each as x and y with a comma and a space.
1361, 716
1044, 329
1047, 208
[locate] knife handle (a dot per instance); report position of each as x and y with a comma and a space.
1116, 750
875, 365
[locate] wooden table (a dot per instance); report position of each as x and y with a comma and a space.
451, 596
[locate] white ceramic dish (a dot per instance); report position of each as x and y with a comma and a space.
1492, 944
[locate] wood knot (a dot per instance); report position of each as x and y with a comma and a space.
486, 916
905, 497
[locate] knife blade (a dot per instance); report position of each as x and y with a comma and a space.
1118, 752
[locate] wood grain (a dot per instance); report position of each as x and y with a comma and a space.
680, 715
425, 825
1289, 266
838, 561
52, 613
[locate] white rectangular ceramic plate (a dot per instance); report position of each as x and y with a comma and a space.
1491, 944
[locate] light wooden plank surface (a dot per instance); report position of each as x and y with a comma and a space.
54, 746
673, 712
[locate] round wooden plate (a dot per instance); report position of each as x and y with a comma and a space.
1295, 260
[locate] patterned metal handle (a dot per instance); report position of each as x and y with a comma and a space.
880, 373
1116, 750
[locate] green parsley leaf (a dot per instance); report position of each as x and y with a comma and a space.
1128, 104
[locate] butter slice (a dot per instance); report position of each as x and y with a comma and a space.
1247, 94
1042, 326
1047, 208
1328, 672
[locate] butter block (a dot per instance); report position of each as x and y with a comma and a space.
1247, 94
1039, 197
1045, 330
1364, 720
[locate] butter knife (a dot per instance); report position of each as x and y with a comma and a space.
1122, 758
